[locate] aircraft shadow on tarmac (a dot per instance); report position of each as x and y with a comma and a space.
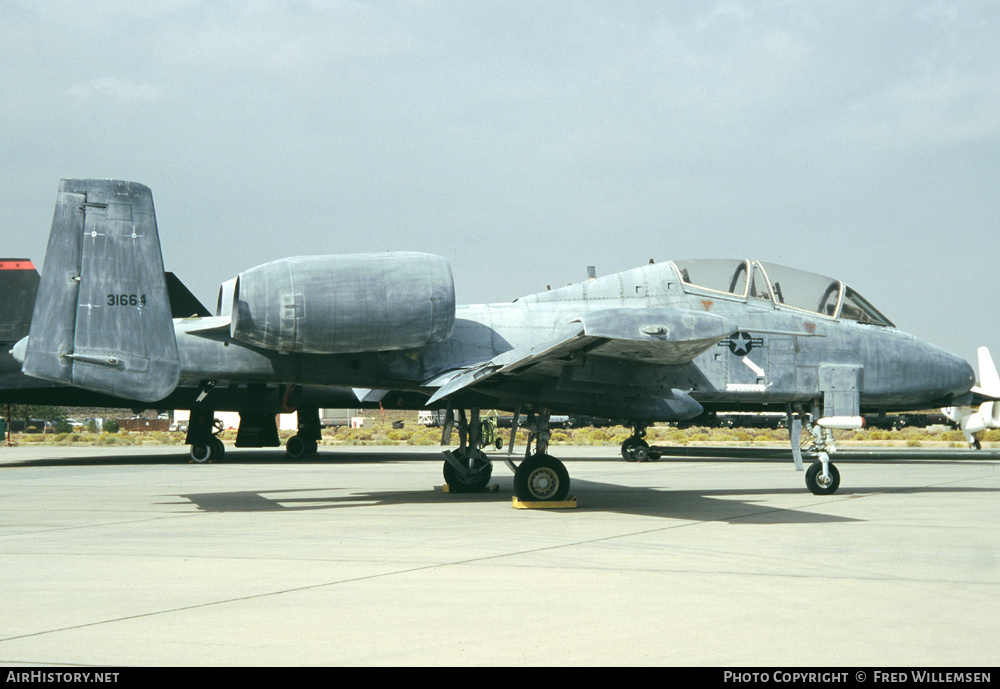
341, 455
734, 505
234, 457
722, 505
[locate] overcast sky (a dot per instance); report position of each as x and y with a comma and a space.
525, 140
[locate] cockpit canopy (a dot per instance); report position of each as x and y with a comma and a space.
768, 282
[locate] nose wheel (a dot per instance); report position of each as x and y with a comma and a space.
821, 482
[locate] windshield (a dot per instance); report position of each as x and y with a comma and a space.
802, 290
856, 308
798, 289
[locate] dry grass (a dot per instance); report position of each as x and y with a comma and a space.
411, 434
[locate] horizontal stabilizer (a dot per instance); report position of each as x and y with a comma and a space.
18, 283
102, 317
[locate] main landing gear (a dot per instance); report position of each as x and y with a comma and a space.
203, 436
257, 426
635, 448
306, 442
467, 469
540, 477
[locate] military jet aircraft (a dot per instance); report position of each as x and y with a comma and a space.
663, 342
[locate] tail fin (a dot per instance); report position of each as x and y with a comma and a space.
102, 317
18, 284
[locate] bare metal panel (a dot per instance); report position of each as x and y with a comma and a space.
350, 303
102, 317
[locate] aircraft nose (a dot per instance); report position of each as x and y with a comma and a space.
955, 375
931, 372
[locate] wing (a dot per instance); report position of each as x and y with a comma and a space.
661, 336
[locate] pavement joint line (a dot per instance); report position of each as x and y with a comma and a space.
408, 570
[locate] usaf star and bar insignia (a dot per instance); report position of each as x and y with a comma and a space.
741, 343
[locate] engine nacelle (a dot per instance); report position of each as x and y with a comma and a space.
990, 411
339, 304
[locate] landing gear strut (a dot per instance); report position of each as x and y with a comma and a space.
822, 477
540, 477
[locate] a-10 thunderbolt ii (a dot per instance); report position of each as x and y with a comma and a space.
664, 342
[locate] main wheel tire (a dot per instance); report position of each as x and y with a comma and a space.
541, 478
218, 450
467, 482
296, 447
629, 447
200, 454
816, 485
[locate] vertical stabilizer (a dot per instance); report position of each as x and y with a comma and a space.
989, 380
102, 317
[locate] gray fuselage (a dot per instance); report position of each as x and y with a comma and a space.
778, 353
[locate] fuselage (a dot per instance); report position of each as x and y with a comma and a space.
785, 348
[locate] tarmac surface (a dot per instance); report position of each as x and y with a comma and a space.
133, 557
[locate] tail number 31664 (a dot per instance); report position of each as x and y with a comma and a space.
126, 300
